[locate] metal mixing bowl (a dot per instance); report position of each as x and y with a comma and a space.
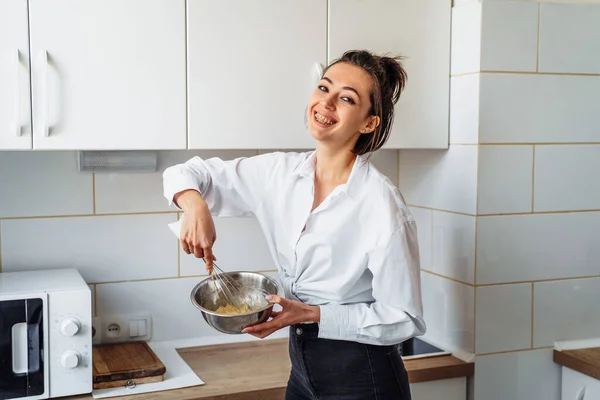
207, 299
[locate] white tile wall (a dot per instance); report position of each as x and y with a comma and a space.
466, 38
566, 177
42, 184
103, 248
535, 247
569, 37
448, 309
509, 31
525, 375
533, 108
424, 219
454, 246
440, 179
464, 109
240, 245
503, 318
129, 193
566, 310
504, 181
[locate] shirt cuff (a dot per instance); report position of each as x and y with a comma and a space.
181, 183
338, 322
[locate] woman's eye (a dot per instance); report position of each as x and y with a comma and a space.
348, 100
322, 88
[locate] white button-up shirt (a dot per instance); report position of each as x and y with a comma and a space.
357, 257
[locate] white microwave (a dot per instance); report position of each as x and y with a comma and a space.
45, 334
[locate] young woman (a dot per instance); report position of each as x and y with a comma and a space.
342, 238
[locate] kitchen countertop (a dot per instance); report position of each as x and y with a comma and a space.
585, 361
260, 370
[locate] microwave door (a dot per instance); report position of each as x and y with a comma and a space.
21, 348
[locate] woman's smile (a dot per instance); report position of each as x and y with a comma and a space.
324, 120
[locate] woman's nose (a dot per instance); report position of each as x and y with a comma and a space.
328, 102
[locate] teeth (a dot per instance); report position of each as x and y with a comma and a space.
323, 120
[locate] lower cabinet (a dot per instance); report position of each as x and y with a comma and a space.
577, 386
447, 389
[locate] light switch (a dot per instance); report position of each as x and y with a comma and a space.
133, 328
142, 331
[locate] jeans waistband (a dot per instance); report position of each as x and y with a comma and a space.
305, 331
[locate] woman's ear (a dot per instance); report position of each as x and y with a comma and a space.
372, 124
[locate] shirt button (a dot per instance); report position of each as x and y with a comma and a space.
299, 331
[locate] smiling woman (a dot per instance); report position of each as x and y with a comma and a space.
339, 231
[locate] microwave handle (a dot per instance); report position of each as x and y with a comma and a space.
25, 348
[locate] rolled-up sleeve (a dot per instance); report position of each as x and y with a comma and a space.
231, 188
397, 312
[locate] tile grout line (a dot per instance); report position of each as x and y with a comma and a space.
447, 277
166, 278
94, 193
532, 312
530, 144
533, 180
538, 281
95, 300
525, 73
178, 251
90, 215
513, 351
437, 209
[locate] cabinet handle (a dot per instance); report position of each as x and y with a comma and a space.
45, 98
319, 69
15, 127
581, 395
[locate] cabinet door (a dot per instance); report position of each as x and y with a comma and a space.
418, 30
108, 74
577, 386
252, 66
447, 389
15, 109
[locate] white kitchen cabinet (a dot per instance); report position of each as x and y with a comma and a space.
15, 110
418, 30
108, 74
252, 66
577, 386
447, 389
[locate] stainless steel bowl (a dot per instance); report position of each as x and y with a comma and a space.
206, 298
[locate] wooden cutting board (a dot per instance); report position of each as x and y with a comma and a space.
116, 364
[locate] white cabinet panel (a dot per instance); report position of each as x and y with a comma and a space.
447, 389
108, 74
252, 66
15, 110
577, 386
418, 30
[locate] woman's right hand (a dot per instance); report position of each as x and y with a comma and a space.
197, 234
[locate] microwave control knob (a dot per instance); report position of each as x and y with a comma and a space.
69, 326
69, 359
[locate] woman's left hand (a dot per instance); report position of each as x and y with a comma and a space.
293, 312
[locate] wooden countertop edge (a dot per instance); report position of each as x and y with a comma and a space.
570, 359
273, 387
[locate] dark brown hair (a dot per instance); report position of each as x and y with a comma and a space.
389, 79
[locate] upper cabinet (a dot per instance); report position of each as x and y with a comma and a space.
108, 74
238, 74
419, 30
251, 68
15, 110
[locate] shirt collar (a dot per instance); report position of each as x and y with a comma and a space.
356, 179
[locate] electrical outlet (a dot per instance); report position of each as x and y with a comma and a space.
126, 327
96, 330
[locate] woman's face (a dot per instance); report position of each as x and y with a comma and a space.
338, 110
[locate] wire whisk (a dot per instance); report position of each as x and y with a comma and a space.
234, 291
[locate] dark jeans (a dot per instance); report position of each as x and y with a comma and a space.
325, 369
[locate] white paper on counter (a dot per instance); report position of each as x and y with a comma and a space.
178, 375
